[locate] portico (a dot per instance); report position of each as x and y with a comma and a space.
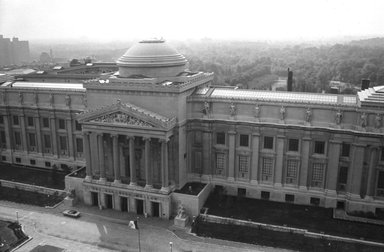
126, 151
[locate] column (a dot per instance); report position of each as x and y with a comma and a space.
164, 165
71, 151
38, 135
304, 162
231, 155
206, 155
116, 158
23, 133
332, 166
132, 167
356, 171
8, 131
94, 154
87, 151
371, 173
100, 143
279, 160
54, 136
122, 161
148, 173
255, 157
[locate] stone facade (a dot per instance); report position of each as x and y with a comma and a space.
142, 137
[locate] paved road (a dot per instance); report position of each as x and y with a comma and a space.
108, 230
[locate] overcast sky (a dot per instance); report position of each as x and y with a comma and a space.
180, 19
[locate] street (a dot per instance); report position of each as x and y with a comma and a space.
107, 230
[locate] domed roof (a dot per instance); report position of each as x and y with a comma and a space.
151, 53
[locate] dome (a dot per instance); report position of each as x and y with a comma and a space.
151, 53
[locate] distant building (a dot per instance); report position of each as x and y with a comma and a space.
13, 52
153, 126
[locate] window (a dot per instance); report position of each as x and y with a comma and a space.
380, 184
220, 138
241, 192
291, 176
220, 163
198, 137
197, 162
30, 121
342, 179
32, 141
32, 162
319, 147
1, 119
266, 171
15, 120
382, 154
268, 142
62, 124
63, 144
244, 140
45, 122
79, 145
47, 164
345, 147
18, 160
265, 195
2, 139
243, 166
317, 174
290, 198
3, 158
17, 139
293, 145
78, 126
315, 201
47, 143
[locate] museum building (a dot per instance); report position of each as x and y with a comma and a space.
149, 128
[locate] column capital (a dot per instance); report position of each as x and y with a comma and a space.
254, 134
147, 139
164, 140
129, 137
332, 141
114, 135
86, 133
359, 145
231, 132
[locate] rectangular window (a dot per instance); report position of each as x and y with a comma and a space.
380, 184
243, 166
317, 174
17, 139
314, 201
45, 122
3, 158
342, 179
292, 166
30, 121
15, 120
78, 126
382, 154
32, 141
265, 195
47, 164
244, 140
32, 162
220, 138
63, 143
79, 145
197, 162
266, 171
47, 141
18, 160
345, 147
1, 119
268, 142
220, 163
62, 124
319, 147
2, 139
197, 137
290, 198
293, 145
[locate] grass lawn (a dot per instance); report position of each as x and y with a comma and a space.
30, 198
33, 176
315, 219
11, 235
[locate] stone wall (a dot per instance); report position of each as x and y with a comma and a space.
31, 188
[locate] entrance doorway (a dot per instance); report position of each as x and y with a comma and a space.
95, 198
155, 209
124, 204
108, 201
139, 206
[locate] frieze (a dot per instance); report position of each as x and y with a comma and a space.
121, 118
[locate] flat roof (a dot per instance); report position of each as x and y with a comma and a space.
47, 85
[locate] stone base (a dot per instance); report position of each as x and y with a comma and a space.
181, 222
69, 202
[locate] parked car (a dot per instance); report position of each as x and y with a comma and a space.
71, 213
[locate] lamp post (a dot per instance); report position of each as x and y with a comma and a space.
170, 245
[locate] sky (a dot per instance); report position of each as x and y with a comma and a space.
110, 20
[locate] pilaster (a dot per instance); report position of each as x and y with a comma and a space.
303, 183
87, 151
231, 155
132, 160
279, 160
116, 158
100, 143
333, 166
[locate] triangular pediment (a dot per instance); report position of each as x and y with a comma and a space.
126, 114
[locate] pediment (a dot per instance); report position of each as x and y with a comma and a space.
126, 114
